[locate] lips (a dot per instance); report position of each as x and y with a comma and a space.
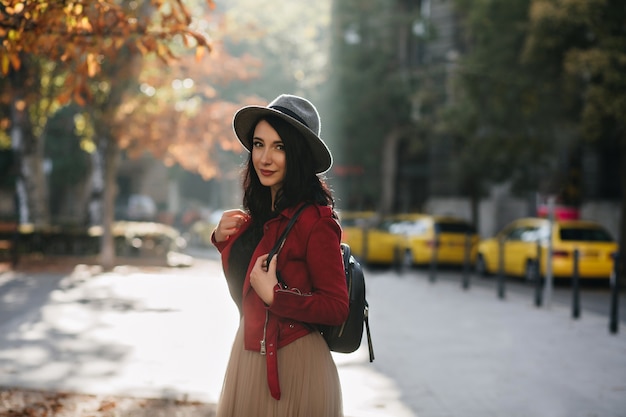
266, 173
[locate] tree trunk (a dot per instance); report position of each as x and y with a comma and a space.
111, 154
95, 189
35, 180
389, 166
21, 196
31, 187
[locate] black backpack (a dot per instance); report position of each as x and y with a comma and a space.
344, 338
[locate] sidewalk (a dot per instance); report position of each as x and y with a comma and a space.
456, 353
146, 332
440, 351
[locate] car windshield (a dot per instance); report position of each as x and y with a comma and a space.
390, 226
587, 234
454, 227
400, 228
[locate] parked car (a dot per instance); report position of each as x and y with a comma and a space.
353, 224
525, 239
446, 239
371, 240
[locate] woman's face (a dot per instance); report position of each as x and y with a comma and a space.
268, 157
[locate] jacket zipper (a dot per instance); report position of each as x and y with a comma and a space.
264, 333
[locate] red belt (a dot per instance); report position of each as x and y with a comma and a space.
271, 358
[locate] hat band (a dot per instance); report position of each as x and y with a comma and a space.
290, 113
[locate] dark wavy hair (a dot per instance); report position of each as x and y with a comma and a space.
301, 183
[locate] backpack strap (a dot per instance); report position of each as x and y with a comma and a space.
370, 346
281, 241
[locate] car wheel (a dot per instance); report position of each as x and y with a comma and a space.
480, 267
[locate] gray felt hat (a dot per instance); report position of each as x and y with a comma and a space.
296, 111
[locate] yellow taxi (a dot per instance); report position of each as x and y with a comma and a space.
372, 241
353, 223
444, 239
525, 239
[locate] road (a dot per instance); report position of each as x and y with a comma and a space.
441, 351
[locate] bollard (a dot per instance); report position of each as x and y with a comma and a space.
466, 261
537, 276
397, 260
614, 312
501, 271
433, 258
576, 286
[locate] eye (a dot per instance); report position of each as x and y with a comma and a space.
280, 146
257, 144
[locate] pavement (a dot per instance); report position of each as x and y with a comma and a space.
440, 351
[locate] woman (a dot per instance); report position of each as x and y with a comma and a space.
280, 366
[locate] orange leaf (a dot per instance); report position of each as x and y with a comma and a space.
85, 24
107, 405
4, 63
200, 50
92, 65
64, 97
15, 61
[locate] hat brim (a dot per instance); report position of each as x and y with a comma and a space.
247, 117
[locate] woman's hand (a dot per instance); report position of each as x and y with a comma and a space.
229, 224
263, 278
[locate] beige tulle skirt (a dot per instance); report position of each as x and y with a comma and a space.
309, 382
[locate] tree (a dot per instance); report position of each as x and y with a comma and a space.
81, 38
368, 98
583, 42
506, 117
180, 116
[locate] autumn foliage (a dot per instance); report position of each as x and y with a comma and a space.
186, 126
84, 33
185, 121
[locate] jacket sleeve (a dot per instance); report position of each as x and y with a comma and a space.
219, 245
327, 302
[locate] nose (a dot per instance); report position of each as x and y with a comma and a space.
266, 157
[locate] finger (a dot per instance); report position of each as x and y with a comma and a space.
234, 213
271, 268
261, 261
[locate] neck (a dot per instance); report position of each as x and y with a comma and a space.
274, 193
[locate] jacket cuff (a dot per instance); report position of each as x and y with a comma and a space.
219, 245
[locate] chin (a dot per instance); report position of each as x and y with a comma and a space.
268, 183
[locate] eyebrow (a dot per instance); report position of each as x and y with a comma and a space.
263, 140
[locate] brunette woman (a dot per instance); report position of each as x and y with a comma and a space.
280, 365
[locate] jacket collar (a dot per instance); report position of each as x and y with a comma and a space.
289, 212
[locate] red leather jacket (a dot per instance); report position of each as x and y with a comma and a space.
311, 264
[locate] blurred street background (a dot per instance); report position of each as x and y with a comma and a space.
479, 147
